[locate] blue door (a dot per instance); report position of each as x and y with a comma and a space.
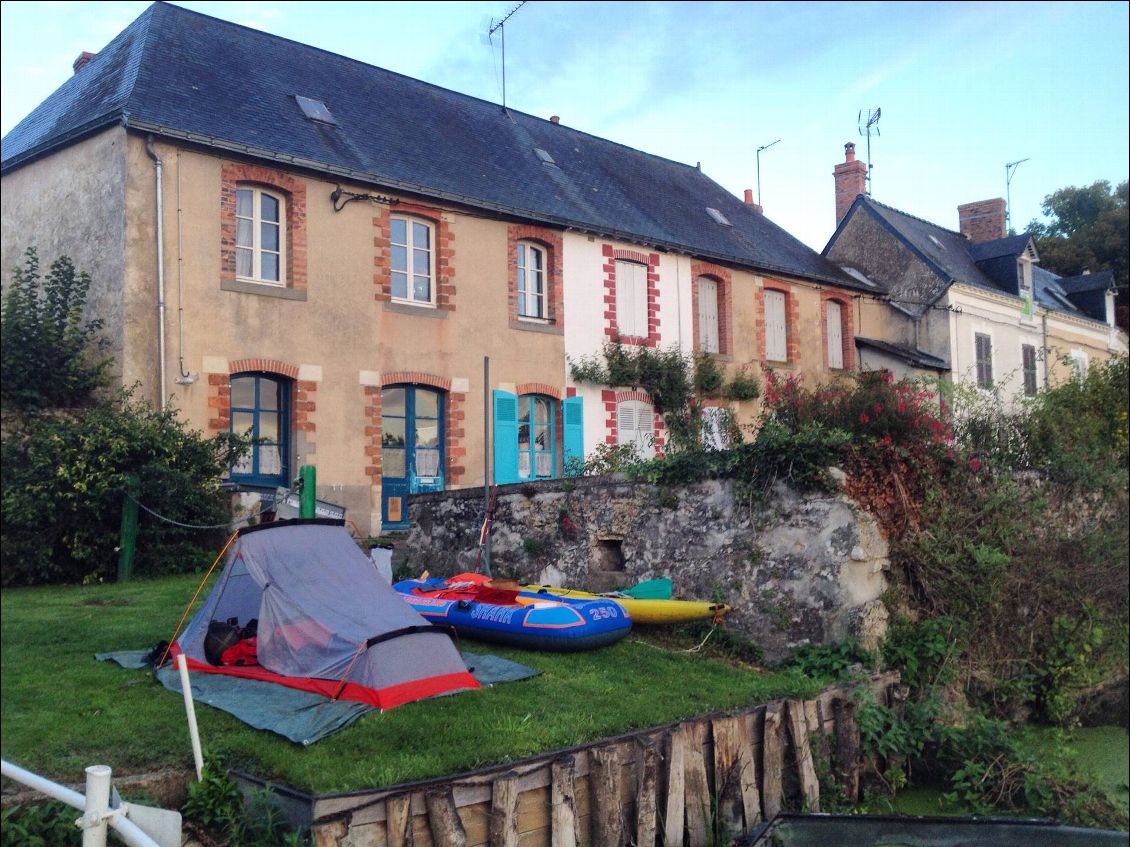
412, 454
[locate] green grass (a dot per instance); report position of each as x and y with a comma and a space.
62, 710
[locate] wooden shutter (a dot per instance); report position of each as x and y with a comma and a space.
573, 426
835, 336
1028, 354
505, 437
626, 423
776, 342
631, 299
708, 315
984, 349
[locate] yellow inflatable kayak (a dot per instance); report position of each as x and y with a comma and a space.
644, 611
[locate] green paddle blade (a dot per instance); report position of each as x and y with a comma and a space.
650, 589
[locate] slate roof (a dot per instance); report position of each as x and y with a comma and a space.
915, 358
953, 258
188, 76
1099, 281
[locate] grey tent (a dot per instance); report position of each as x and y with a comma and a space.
327, 622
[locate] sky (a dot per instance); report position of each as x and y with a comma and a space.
963, 88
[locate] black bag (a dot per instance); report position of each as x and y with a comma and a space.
221, 635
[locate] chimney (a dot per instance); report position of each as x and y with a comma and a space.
982, 221
749, 202
851, 181
82, 59
555, 119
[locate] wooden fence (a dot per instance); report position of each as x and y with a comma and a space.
682, 784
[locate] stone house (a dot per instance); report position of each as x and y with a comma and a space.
972, 304
326, 254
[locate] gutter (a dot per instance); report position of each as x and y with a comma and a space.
159, 168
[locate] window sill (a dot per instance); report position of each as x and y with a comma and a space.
420, 310
263, 289
535, 325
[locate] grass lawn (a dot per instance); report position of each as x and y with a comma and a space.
62, 710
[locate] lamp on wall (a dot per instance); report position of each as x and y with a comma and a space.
338, 203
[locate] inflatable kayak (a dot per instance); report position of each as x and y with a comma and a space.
478, 609
642, 611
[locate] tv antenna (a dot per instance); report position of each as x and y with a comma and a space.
866, 127
1009, 170
497, 26
759, 149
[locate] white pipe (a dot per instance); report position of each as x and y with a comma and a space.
185, 377
193, 732
97, 805
160, 269
130, 832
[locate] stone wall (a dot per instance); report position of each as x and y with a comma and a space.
795, 568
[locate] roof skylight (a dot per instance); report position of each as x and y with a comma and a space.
718, 217
937, 243
315, 110
544, 156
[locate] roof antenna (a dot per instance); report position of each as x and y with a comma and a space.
866, 126
1009, 170
759, 149
500, 25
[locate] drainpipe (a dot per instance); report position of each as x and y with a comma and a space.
1044, 321
160, 268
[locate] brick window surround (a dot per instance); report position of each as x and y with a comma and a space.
303, 403
550, 241
232, 176
651, 262
847, 328
444, 253
721, 276
612, 399
455, 412
792, 323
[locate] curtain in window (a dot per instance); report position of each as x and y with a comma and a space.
835, 335
708, 315
776, 343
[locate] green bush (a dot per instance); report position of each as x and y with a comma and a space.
48, 357
46, 825
63, 487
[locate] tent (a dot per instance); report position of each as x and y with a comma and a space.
327, 622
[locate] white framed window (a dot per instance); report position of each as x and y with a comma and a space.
531, 281
635, 425
631, 299
983, 350
835, 320
1024, 287
714, 434
1080, 362
260, 248
412, 260
1028, 368
708, 314
776, 328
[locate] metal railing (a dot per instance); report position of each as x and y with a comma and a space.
99, 814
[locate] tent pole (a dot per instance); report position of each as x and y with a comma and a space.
486, 464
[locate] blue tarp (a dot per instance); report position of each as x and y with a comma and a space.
300, 716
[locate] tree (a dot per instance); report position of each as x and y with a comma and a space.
48, 352
1087, 229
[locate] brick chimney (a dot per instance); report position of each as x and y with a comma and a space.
982, 221
851, 181
555, 119
82, 59
749, 202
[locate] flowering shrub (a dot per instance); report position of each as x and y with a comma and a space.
899, 437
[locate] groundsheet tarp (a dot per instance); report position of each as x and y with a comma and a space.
301, 716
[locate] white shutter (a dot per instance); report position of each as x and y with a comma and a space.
708, 315
776, 344
835, 336
631, 299
626, 423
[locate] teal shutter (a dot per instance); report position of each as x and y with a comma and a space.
573, 435
505, 437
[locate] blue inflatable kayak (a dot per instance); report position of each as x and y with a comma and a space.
477, 609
